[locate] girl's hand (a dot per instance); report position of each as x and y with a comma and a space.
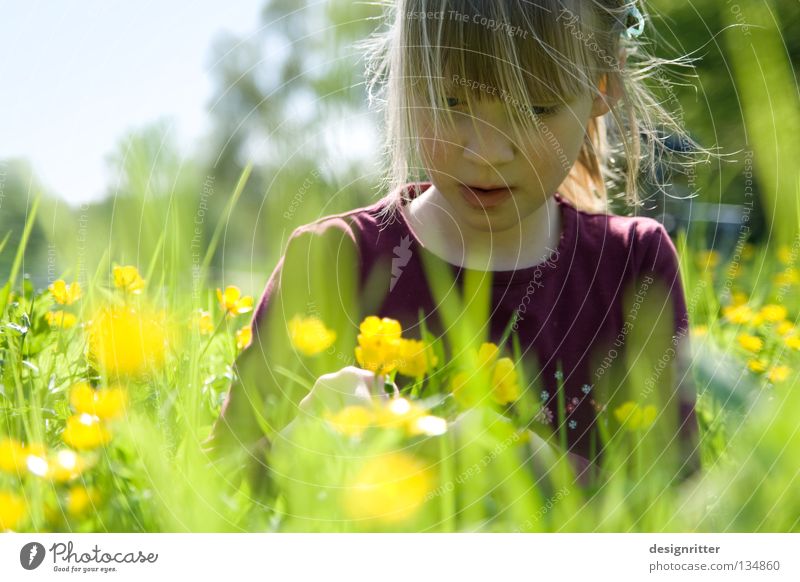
349, 386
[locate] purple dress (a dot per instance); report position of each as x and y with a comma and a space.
578, 310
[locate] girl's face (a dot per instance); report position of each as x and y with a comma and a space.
531, 170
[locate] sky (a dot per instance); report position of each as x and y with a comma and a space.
78, 75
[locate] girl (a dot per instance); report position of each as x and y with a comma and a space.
506, 123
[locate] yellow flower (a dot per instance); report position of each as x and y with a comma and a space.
738, 313
414, 419
773, 313
750, 342
232, 301
632, 417
80, 498
792, 342
505, 386
785, 254
106, 403
126, 342
388, 490
790, 276
350, 420
458, 386
12, 456
707, 259
785, 328
778, 373
378, 344
415, 358
243, 337
128, 279
85, 432
12, 511
202, 321
502, 375
65, 466
738, 298
757, 365
309, 335
63, 293
60, 319
700, 330
487, 354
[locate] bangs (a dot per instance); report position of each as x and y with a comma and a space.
522, 53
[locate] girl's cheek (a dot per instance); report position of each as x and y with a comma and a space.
438, 151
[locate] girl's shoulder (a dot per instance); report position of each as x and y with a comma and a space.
638, 245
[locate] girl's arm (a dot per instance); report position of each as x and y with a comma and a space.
317, 276
660, 350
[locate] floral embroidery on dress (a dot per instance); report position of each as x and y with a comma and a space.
586, 389
573, 424
545, 415
545, 395
572, 404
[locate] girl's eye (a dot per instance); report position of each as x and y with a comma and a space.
543, 110
453, 101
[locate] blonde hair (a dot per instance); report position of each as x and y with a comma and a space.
540, 51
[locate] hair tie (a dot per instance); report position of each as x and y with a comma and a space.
636, 29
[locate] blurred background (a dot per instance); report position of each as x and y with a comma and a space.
137, 120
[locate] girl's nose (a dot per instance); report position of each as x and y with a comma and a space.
487, 144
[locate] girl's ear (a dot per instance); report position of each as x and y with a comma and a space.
610, 87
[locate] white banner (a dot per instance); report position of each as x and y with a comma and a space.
400, 557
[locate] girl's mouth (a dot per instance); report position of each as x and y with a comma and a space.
484, 198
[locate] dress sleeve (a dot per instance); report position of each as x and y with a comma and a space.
316, 276
661, 341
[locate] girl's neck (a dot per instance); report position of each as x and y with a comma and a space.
527, 244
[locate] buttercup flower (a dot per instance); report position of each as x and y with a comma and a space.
708, 259
785, 254
502, 375
790, 276
60, 319
232, 302
388, 490
12, 511
80, 499
773, 313
415, 358
757, 365
738, 298
351, 420
785, 328
792, 342
63, 293
700, 330
309, 335
487, 354
128, 279
12, 456
738, 313
65, 466
202, 321
750, 342
778, 373
105, 403
126, 342
243, 337
633, 417
86, 432
505, 385
378, 344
